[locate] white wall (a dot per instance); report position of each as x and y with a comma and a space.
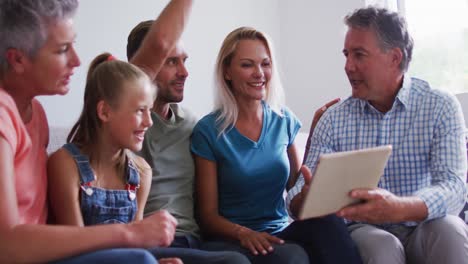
103, 28
308, 37
210, 22
312, 34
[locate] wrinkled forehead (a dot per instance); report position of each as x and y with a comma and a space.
360, 37
61, 31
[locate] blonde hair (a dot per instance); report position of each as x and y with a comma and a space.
225, 102
104, 82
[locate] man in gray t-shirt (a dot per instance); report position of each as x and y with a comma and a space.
167, 150
166, 147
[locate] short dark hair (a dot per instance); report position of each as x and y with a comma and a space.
136, 36
390, 28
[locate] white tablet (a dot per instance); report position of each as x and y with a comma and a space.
339, 173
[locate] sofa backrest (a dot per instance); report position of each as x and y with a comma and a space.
57, 137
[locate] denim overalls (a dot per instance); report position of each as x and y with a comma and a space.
101, 206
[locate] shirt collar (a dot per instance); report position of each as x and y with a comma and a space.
177, 112
401, 98
403, 95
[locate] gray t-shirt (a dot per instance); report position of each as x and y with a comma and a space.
166, 148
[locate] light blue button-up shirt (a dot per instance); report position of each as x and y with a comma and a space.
425, 128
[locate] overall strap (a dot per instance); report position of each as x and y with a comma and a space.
82, 162
133, 177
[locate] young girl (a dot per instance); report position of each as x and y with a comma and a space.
95, 178
113, 182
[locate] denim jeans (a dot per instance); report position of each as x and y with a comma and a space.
323, 240
111, 256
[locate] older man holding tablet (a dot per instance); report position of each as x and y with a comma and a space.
411, 216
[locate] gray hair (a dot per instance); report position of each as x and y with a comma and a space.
225, 101
24, 23
390, 28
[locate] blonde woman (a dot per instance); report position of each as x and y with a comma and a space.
245, 154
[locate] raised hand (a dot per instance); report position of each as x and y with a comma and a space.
317, 115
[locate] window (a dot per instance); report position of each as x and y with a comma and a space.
440, 33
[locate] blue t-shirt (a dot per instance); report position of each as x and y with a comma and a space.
251, 175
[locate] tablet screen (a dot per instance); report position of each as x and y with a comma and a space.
339, 173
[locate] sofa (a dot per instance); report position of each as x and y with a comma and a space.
58, 135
